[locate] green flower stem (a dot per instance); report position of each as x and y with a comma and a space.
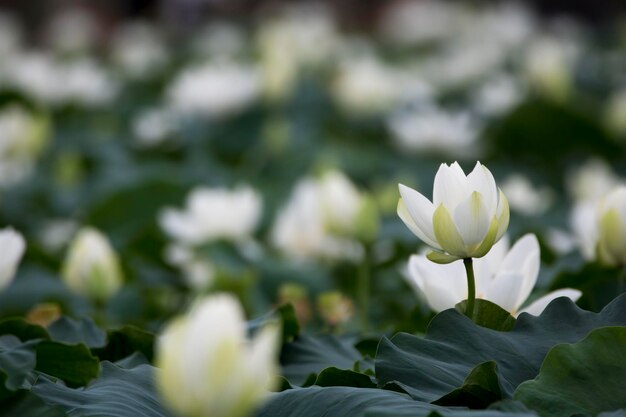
363, 291
471, 287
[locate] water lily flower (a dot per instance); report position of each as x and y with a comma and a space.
468, 214
504, 276
12, 245
209, 367
92, 267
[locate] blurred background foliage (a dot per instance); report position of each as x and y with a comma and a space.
112, 111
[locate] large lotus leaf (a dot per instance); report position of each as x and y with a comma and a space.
125, 341
73, 331
26, 404
22, 329
480, 389
339, 402
587, 377
74, 364
117, 392
17, 361
64, 330
307, 356
407, 410
429, 367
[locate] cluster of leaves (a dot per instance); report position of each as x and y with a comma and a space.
75, 368
566, 362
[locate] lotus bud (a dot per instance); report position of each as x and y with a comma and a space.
91, 267
12, 245
335, 308
367, 220
209, 367
467, 216
611, 244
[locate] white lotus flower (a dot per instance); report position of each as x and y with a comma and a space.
12, 246
139, 50
214, 89
209, 368
467, 216
319, 219
365, 85
23, 136
430, 128
592, 181
549, 65
611, 217
588, 186
420, 22
504, 276
154, 126
498, 95
212, 214
91, 267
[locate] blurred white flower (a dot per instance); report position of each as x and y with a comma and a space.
87, 83
12, 246
584, 224
23, 136
38, 75
498, 95
600, 227
587, 185
139, 50
462, 62
560, 241
214, 90
154, 126
35, 74
298, 38
220, 40
72, 31
549, 65
319, 219
591, 181
508, 24
212, 214
468, 214
418, 22
198, 272
504, 276
91, 267
207, 365
429, 128
365, 85
56, 234
524, 197
611, 224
